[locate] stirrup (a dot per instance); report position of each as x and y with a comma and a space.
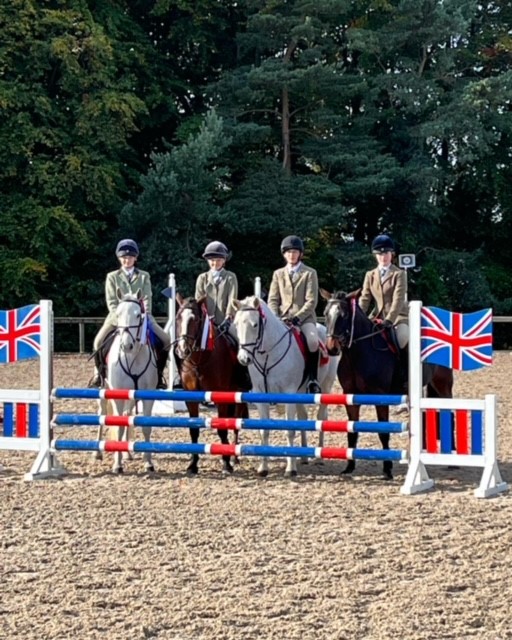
313, 387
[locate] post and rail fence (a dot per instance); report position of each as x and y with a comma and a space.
162, 320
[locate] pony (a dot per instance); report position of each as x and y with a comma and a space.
207, 358
369, 363
270, 350
131, 364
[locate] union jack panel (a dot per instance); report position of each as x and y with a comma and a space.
461, 341
20, 333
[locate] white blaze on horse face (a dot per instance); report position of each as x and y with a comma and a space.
182, 348
129, 321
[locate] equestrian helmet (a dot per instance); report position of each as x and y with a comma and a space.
216, 250
382, 244
127, 248
292, 242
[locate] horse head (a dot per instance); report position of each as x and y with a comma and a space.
249, 322
339, 315
189, 325
131, 320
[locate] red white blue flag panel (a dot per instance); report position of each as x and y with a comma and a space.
461, 341
20, 333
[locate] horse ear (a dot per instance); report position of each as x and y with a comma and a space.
138, 295
202, 300
236, 304
325, 294
355, 294
256, 302
119, 294
179, 298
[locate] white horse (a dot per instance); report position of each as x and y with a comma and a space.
276, 365
131, 365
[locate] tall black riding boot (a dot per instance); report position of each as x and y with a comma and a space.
161, 362
312, 373
100, 370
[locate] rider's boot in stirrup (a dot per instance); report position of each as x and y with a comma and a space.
312, 373
161, 363
99, 376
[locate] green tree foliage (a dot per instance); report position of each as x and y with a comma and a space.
179, 122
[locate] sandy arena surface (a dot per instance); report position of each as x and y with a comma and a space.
322, 557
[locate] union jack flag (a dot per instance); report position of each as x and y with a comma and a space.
20, 333
461, 341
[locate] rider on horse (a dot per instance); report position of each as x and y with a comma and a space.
385, 288
219, 286
293, 296
127, 279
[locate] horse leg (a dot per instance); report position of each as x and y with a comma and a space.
193, 412
291, 461
263, 412
302, 414
147, 405
353, 414
223, 412
383, 416
102, 410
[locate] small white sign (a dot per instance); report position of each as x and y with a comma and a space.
407, 260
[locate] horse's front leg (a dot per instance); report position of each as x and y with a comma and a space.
223, 412
264, 413
193, 412
102, 411
387, 466
291, 461
353, 414
147, 406
119, 434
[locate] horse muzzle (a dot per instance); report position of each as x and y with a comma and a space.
333, 346
244, 357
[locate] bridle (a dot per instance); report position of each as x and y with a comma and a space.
126, 366
255, 348
346, 337
121, 329
191, 342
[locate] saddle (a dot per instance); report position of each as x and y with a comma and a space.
303, 346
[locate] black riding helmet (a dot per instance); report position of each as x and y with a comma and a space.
292, 242
216, 250
127, 247
383, 244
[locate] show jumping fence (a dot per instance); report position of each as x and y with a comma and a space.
442, 432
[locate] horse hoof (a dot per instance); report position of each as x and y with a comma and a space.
388, 476
150, 469
346, 472
262, 474
192, 471
97, 455
227, 471
290, 474
118, 471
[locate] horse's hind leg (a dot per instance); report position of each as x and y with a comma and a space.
146, 433
387, 466
291, 461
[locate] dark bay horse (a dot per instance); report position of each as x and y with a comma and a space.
208, 363
368, 364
